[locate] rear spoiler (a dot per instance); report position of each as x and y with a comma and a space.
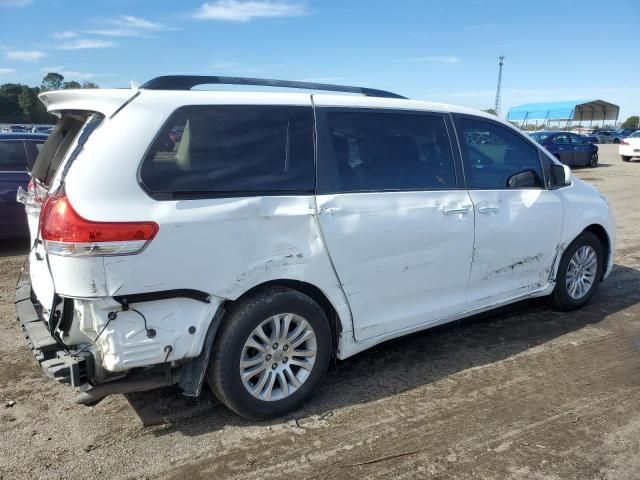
104, 101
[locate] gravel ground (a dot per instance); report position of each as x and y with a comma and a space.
522, 393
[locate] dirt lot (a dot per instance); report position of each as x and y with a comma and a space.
526, 393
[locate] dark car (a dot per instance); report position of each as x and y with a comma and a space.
18, 152
569, 148
590, 138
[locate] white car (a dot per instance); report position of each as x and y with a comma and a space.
246, 238
630, 147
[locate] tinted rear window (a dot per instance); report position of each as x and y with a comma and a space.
57, 146
232, 150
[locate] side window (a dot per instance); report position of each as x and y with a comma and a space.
386, 151
215, 150
497, 158
576, 140
561, 139
13, 156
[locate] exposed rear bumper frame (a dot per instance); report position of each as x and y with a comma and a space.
66, 367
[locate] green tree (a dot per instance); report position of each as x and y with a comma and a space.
52, 81
491, 111
9, 105
631, 122
27, 101
87, 84
71, 84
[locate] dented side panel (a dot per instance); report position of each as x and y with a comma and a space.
227, 246
517, 234
402, 260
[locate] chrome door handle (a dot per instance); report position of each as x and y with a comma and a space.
450, 210
487, 209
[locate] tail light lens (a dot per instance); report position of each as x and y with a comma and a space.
622, 142
66, 233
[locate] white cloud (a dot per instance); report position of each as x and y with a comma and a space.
244, 11
64, 35
130, 26
7, 71
25, 55
86, 43
71, 74
432, 59
137, 22
14, 3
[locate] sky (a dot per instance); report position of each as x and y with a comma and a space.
437, 50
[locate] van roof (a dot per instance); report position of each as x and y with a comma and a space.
176, 89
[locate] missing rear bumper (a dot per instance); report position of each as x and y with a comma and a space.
64, 366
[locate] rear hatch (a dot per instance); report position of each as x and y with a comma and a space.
80, 113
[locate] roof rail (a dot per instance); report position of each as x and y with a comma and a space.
187, 82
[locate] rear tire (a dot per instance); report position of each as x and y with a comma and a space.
579, 272
258, 368
625, 158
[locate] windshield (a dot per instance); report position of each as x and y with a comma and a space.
540, 137
635, 134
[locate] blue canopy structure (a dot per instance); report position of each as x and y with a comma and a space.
568, 111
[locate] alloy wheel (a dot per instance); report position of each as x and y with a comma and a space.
581, 272
278, 357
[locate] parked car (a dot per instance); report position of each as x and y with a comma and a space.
46, 129
14, 129
620, 135
604, 136
568, 147
589, 138
281, 231
630, 147
18, 153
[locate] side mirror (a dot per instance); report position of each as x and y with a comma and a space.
560, 175
524, 179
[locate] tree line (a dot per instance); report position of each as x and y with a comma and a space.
19, 103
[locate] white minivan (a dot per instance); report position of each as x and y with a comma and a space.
246, 238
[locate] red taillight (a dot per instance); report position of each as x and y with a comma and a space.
622, 142
32, 186
65, 232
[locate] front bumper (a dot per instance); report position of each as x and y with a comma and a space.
57, 362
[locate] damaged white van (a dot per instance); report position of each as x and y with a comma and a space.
245, 238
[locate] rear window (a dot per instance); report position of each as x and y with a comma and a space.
235, 150
57, 146
539, 137
13, 156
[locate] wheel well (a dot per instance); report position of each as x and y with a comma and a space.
309, 290
601, 233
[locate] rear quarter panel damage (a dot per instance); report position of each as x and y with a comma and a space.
225, 247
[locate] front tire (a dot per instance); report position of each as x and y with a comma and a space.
273, 351
579, 272
593, 160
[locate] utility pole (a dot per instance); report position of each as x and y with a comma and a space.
498, 90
